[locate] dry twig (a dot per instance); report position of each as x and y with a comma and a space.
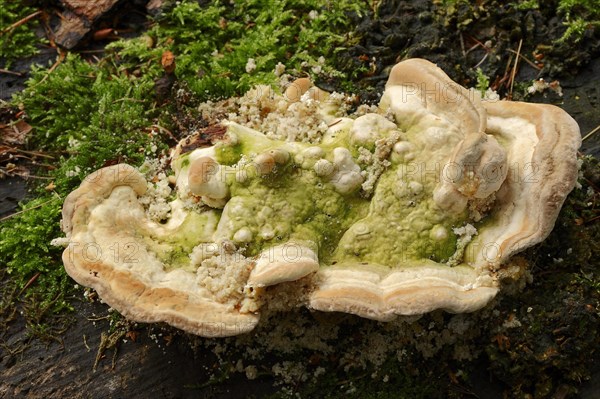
527, 60
594, 130
20, 22
25, 210
514, 70
6, 71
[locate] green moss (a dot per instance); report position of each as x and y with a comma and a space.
32, 264
483, 82
96, 105
85, 116
525, 5
21, 41
213, 42
579, 16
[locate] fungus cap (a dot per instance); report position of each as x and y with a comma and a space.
459, 186
102, 220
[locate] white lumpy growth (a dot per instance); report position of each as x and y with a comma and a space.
476, 170
438, 233
347, 177
407, 189
402, 152
309, 156
323, 168
369, 128
243, 235
206, 179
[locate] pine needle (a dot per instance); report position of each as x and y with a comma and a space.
594, 130
514, 70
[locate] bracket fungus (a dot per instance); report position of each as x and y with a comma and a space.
415, 206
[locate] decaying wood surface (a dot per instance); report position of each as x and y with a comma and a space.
77, 20
152, 366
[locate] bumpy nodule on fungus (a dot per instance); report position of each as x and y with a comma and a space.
414, 206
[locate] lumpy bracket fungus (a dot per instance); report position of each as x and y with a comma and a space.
415, 206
